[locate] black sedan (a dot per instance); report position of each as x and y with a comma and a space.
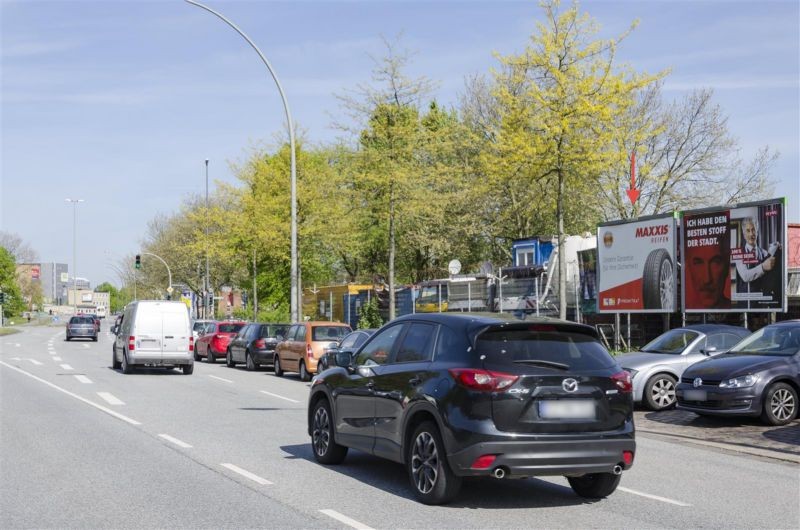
760, 376
254, 345
451, 396
349, 343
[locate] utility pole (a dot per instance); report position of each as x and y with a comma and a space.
74, 253
255, 288
207, 283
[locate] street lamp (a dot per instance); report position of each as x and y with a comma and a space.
294, 280
205, 290
74, 252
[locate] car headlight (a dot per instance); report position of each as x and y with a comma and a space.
740, 382
632, 372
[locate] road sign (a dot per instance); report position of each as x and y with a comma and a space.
170, 289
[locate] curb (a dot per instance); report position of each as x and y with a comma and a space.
746, 449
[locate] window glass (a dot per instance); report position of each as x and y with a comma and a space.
81, 320
417, 344
729, 340
242, 332
199, 326
292, 332
274, 331
451, 346
350, 341
300, 335
672, 342
575, 350
361, 338
701, 345
230, 328
379, 349
771, 340
329, 333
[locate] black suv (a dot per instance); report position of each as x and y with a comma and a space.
453, 396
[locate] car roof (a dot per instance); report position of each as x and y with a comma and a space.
717, 328
471, 322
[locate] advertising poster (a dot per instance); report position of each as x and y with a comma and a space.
636, 265
734, 259
36, 272
587, 264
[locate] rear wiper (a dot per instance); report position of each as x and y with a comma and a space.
550, 364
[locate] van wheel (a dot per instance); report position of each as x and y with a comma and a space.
188, 369
304, 375
127, 368
426, 461
595, 485
115, 364
277, 365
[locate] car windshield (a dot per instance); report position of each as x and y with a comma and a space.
332, 333
230, 328
199, 326
672, 342
771, 340
559, 350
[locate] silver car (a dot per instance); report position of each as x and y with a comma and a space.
658, 367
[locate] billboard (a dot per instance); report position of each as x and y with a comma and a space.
36, 272
636, 265
734, 258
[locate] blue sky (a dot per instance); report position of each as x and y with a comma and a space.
120, 102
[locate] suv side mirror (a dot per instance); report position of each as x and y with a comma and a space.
344, 358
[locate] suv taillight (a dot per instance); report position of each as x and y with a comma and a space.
131, 343
623, 381
191, 343
486, 380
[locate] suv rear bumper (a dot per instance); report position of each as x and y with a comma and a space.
539, 458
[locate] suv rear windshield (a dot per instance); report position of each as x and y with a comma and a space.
230, 328
328, 332
525, 347
81, 320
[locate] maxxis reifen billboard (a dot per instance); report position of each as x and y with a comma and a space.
636, 268
734, 258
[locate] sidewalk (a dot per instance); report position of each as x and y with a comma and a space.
746, 435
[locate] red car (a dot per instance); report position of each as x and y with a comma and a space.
214, 343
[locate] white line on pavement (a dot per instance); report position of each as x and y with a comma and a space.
67, 392
85, 345
110, 398
654, 497
177, 442
17, 344
16, 359
34, 361
245, 473
221, 379
66, 367
346, 520
56, 358
279, 397
83, 379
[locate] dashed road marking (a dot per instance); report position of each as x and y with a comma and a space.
86, 346
34, 361
654, 497
333, 514
56, 359
17, 345
110, 398
67, 392
177, 442
245, 473
66, 367
83, 379
220, 378
277, 396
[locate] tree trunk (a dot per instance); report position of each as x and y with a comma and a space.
562, 260
391, 252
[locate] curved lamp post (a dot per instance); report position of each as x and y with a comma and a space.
169, 273
294, 300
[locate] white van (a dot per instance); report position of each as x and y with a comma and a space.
154, 333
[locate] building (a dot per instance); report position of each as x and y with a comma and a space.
53, 278
80, 283
90, 301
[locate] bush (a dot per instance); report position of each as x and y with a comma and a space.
370, 316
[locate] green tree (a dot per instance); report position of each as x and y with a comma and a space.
8, 284
369, 316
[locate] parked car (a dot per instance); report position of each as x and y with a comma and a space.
201, 327
154, 333
349, 343
452, 396
81, 326
658, 366
303, 345
760, 376
254, 345
214, 341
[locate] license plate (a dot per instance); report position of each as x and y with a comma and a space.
694, 395
572, 409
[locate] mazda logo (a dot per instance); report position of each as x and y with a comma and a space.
697, 382
569, 385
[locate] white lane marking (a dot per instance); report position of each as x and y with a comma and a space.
110, 398
85, 345
245, 473
16, 359
221, 379
17, 344
67, 392
66, 367
56, 358
83, 379
279, 397
177, 442
346, 520
34, 361
654, 497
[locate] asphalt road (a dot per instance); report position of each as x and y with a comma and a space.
84, 446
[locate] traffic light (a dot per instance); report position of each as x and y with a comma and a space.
138, 261
2, 298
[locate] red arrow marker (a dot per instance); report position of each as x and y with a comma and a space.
633, 193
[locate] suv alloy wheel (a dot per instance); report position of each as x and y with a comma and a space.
430, 474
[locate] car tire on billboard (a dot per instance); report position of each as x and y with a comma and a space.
657, 285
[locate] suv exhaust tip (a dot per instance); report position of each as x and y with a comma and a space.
618, 469
499, 472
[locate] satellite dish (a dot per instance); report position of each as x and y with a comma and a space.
454, 267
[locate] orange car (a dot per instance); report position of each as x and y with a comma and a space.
304, 344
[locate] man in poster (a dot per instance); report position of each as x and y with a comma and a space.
707, 258
753, 263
